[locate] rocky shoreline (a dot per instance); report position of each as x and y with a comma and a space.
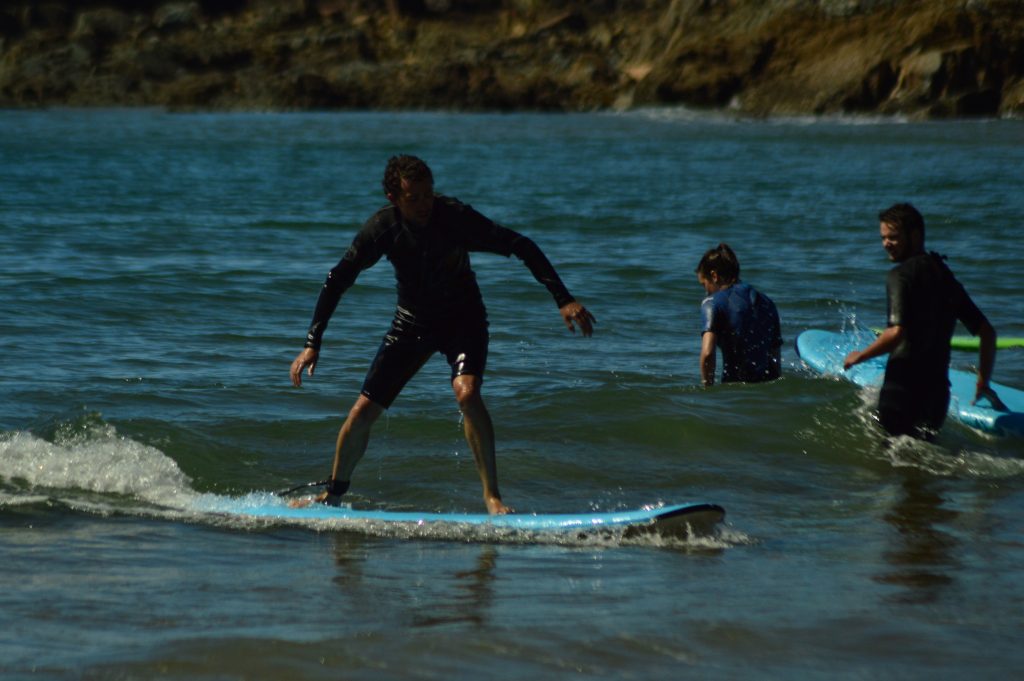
914, 58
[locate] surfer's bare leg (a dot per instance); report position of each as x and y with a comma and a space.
479, 430
354, 436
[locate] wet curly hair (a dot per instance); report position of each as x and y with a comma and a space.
404, 167
904, 217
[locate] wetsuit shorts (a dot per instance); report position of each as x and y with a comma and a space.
408, 344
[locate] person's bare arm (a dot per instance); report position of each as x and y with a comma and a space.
883, 345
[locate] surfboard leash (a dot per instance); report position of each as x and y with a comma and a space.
305, 485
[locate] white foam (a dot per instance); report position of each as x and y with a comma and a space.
20, 499
936, 459
98, 460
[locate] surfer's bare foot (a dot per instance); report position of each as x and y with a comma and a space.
307, 501
496, 507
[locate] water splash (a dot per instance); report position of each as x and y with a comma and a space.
941, 461
89, 467
93, 457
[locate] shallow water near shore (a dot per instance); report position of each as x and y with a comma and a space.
159, 272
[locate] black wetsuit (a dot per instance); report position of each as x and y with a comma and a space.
440, 307
926, 300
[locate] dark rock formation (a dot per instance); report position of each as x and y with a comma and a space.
922, 58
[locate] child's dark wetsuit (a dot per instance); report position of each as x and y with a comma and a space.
746, 327
440, 308
926, 300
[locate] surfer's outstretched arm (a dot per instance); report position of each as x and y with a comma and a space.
883, 345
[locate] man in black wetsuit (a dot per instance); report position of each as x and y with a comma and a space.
924, 302
428, 239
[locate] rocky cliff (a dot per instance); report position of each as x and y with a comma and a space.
921, 58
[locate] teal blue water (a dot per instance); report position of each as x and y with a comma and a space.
159, 272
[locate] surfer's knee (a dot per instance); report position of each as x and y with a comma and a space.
363, 413
467, 391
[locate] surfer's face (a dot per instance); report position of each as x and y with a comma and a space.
712, 284
415, 201
896, 242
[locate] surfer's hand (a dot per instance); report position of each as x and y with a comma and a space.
306, 358
574, 312
986, 391
851, 359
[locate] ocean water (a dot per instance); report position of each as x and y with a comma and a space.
158, 274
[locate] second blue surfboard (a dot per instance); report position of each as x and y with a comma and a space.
824, 352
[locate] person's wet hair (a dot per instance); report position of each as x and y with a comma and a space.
404, 167
722, 260
903, 217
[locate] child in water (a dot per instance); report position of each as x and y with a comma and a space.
739, 319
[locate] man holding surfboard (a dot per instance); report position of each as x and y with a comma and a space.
428, 238
924, 302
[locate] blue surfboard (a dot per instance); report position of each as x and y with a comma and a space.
825, 351
680, 520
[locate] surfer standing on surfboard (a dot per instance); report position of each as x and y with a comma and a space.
924, 302
740, 320
428, 238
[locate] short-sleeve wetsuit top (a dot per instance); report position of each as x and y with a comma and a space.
925, 298
746, 327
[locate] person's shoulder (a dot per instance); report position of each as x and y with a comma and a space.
381, 228
386, 214
719, 299
742, 288
457, 209
450, 203
945, 274
924, 267
460, 216
940, 262
760, 296
919, 261
446, 200
905, 268
897, 278
384, 219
